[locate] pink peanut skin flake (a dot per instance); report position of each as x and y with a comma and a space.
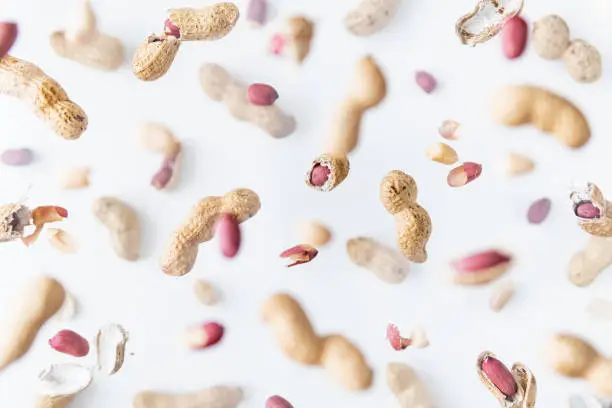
395, 339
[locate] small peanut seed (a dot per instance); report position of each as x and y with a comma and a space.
17, 157
448, 129
442, 153
257, 12
69, 342
426, 81
261, 94
500, 295
204, 336
500, 376
313, 233
480, 268
74, 178
516, 164
228, 232
276, 401
206, 292
587, 210
63, 241
8, 35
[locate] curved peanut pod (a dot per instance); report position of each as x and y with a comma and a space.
387, 264
101, 52
370, 16
294, 333
398, 193
547, 111
407, 387
35, 304
207, 23
338, 167
218, 84
217, 397
29, 83
154, 58
181, 254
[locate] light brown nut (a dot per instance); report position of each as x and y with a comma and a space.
515, 164
86, 45
582, 61
550, 37
63, 241
481, 267
327, 172
181, 254
217, 397
442, 153
220, 86
206, 23
370, 16
74, 178
368, 90
155, 57
25, 81
501, 295
449, 129
398, 193
313, 233
206, 292
547, 111
586, 265
123, 226
407, 387
570, 355
387, 264
486, 20
298, 341
39, 300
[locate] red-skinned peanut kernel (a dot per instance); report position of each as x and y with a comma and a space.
319, 175
261, 94
228, 233
464, 174
480, 261
514, 37
171, 29
8, 35
204, 336
425, 81
69, 342
587, 210
500, 376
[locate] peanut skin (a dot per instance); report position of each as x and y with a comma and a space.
547, 111
298, 341
36, 304
182, 252
398, 193
213, 397
123, 225
29, 83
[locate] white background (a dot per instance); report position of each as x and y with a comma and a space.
222, 154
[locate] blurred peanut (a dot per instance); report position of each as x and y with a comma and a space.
63, 241
17, 157
501, 295
74, 178
464, 174
442, 153
480, 268
206, 292
313, 233
515, 164
8, 35
204, 336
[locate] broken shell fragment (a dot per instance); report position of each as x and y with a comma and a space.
110, 348
486, 20
300, 254
395, 339
60, 383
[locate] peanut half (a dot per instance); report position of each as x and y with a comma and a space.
386, 263
25, 81
486, 20
217, 397
442, 153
